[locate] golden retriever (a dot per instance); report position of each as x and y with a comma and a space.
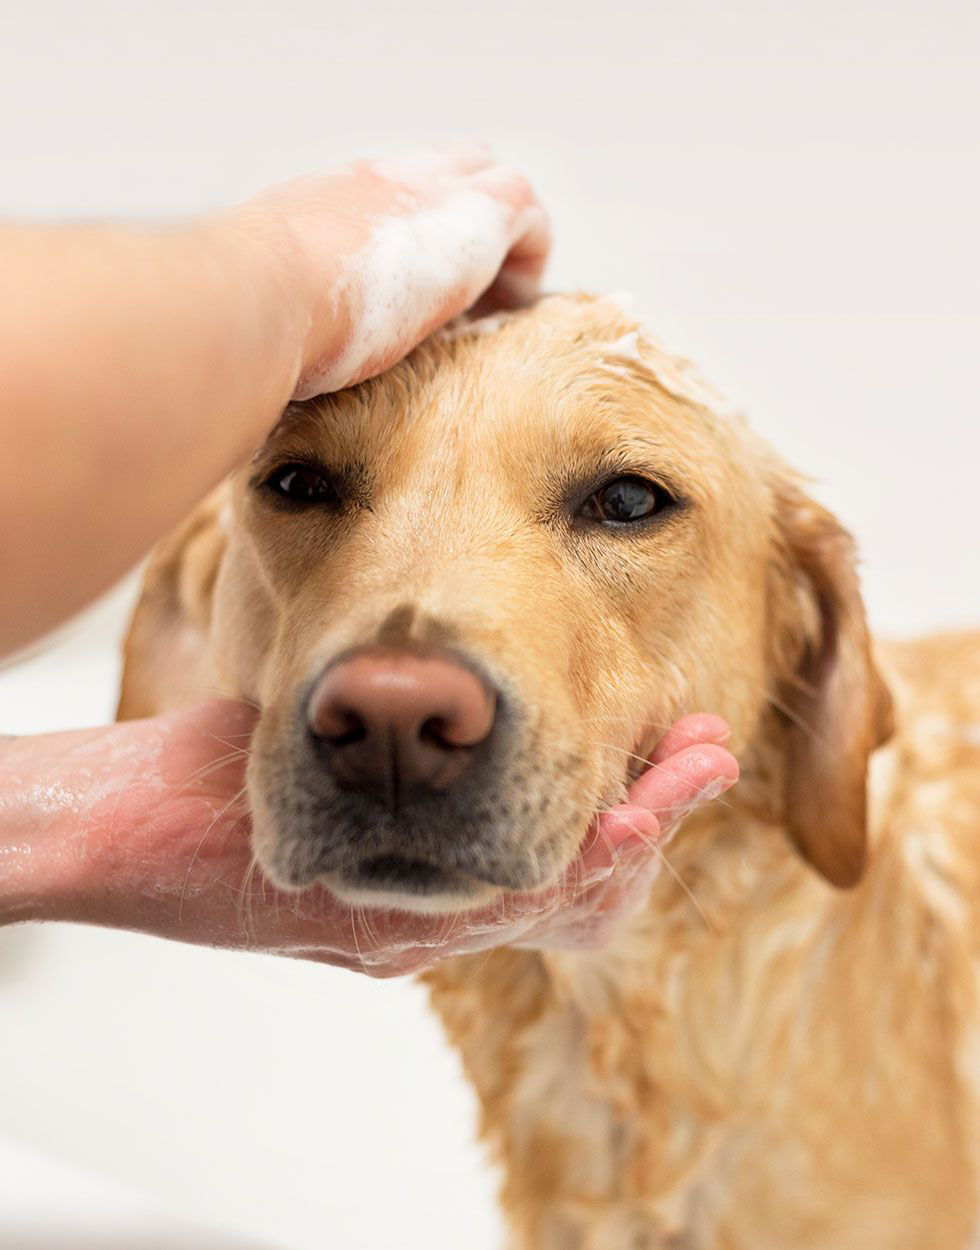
549, 531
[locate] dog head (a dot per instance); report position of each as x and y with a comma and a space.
470, 595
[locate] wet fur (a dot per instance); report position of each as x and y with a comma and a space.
790, 1063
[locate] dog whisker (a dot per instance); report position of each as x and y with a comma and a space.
212, 766
222, 692
246, 913
235, 798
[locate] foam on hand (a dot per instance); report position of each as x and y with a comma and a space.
414, 264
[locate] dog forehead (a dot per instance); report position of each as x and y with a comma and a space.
572, 376
596, 337
570, 372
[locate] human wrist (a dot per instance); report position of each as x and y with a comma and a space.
296, 279
48, 868
26, 868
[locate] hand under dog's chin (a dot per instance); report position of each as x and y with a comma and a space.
393, 878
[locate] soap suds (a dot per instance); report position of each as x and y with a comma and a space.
627, 347
674, 374
400, 279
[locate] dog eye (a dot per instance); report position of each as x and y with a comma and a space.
626, 499
302, 483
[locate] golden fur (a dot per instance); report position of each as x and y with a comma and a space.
786, 1064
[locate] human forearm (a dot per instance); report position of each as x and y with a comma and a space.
42, 863
144, 825
138, 367
128, 825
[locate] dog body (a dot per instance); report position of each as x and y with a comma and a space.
796, 1068
761, 1058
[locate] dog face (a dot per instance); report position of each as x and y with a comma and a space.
530, 529
470, 595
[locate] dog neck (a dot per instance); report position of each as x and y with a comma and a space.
730, 870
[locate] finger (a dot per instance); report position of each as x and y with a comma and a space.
629, 885
505, 185
519, 280
617, 826
694, 775
611, 835
628, 839
589, 921
616, 863
689, 730
619, 859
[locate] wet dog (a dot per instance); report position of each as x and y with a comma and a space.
468, 597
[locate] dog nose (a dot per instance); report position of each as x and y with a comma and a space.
388, 721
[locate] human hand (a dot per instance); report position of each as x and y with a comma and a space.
388, 250
309, 287
144, 826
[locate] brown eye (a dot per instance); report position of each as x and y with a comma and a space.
302, 484
625, 500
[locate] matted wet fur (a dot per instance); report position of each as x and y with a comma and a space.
793, 1061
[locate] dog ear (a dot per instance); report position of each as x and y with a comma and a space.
837, 707
165, 655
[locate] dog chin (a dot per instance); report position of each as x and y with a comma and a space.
462, 897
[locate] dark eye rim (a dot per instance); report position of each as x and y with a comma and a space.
668, 502
265, 482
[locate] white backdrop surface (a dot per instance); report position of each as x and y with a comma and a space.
791, 191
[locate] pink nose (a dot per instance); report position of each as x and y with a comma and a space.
394, 719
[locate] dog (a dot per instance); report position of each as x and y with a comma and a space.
557, 539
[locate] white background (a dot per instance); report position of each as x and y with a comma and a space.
793, 193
